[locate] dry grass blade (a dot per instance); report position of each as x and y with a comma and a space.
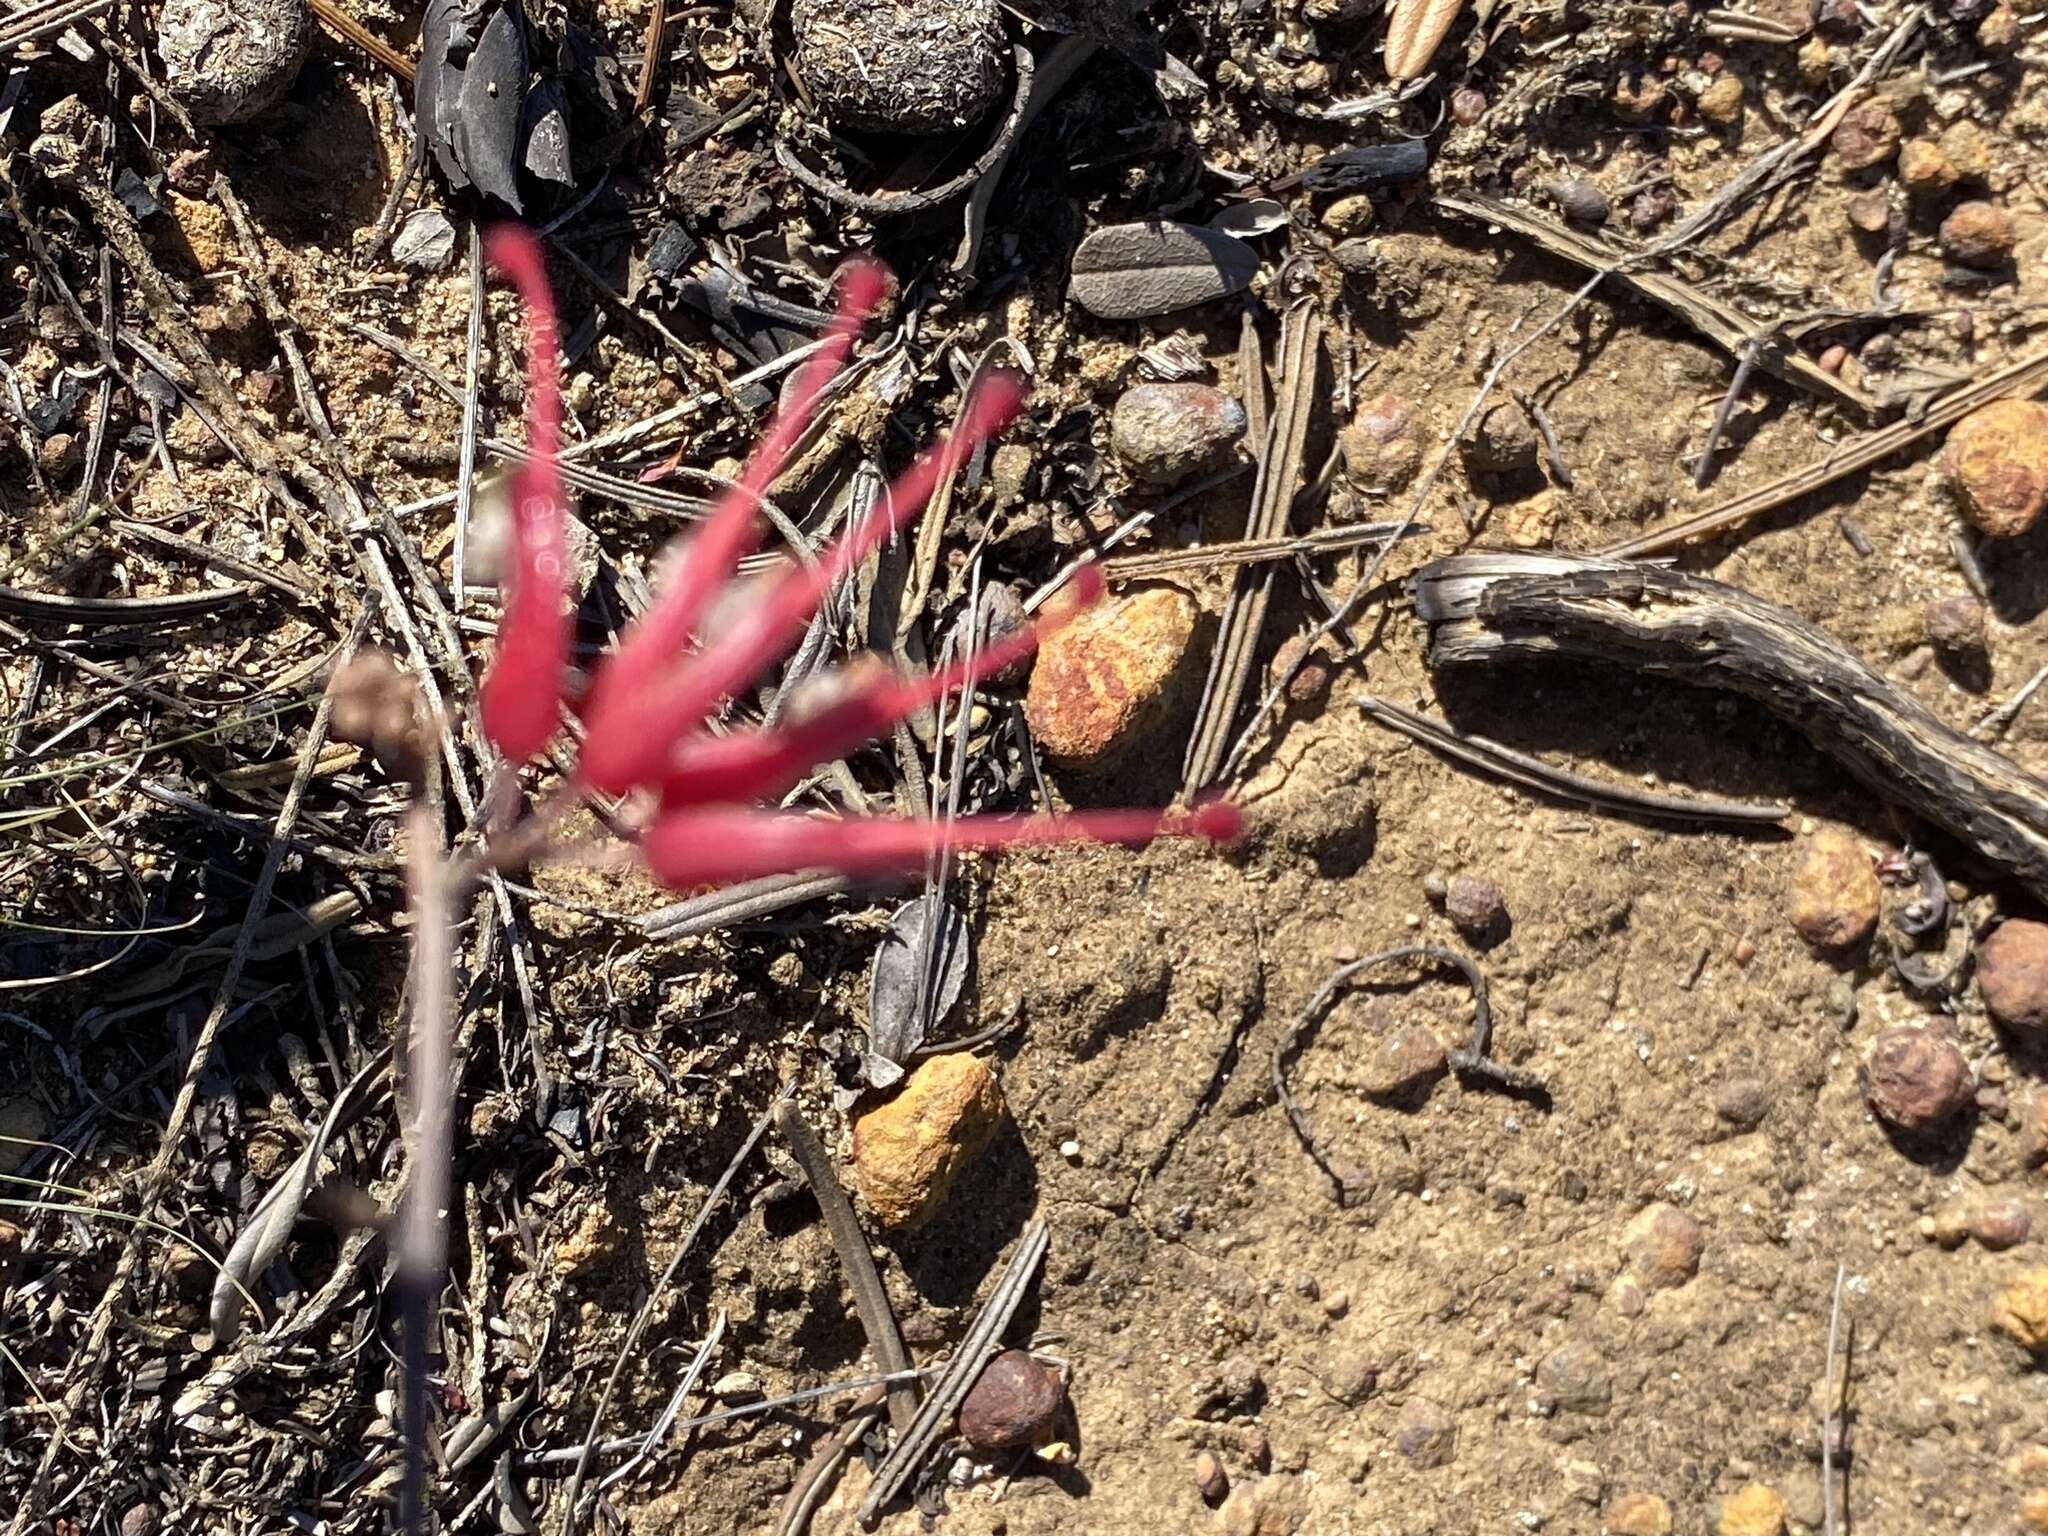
2028, 376
1272, 500
1415, 30
349, 30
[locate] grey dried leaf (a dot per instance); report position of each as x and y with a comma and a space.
1415, 30
490, 105
270, 1225
1130, 271
924, 952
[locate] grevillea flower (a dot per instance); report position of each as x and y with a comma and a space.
705, 638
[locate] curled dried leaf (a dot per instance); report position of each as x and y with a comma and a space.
1415, 30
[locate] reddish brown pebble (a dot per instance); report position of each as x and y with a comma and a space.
1967, 148
1997, 459
1477, 906
1401, 1068
1916, 1080
2032, 1141
1831, 360
1839, 16
1664, 1246
1956, 624
1795, 16
1015, 1401
1867, 136
1651, 208
2000, 1224
1978, 235
2012, 973
1579, 199
1834, 897
1307, 673
1102, 680
1426, 1434
1925, 169
1744, 951
1467, 106
1382, 447
1167, 432
1211, 1481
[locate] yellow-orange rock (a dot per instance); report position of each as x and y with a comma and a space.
908, 1152
2022, 1309
1834, 896
1640, 1514
1101, 681
1755, 1511
1997, 457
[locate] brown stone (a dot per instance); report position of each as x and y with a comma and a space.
1834, 898
1721, 102
1871, 211
1916, 1080
1997, 459
1755, 1511
2012, 973
2021, 1309
1978, 234
1999, 1224
1637, 98
1964, 144
1426, 1433
1867, 136
1795, 16
1639, 1514
1926, 169
908, 1152
1014, 1401
1382, 448
1955, 623
1664, 1246
1169, 432
1403, 1065
1102, 680
1211, 1481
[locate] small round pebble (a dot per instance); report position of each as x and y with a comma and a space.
1834, 897
1307, 673
1477, 906
1579, 199
1403, 1065
1352, 1379
1956, 624
1467, 106
1503, 443
1867, 136
1169, 432
1663, 1246
1639, 1514
1743, 1102
2021, 1309
1426, 1433
1925, 169
1577, 1377
1978, 234
1382, 447
1916, 1079
2012, 973
1014, 1401
1967, 148
1349, 217
2001, 1223
1997, 459
230, 60
1755, 1511
1721, 102
1211, 1481
1871, 211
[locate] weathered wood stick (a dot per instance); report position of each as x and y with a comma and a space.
1491, 606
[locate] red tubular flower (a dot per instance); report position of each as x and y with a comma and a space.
520, 700
764, 764
648, 705
718, 845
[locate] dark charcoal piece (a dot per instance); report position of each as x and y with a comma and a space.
470, 112
673, 250
1368, 166
136, 195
